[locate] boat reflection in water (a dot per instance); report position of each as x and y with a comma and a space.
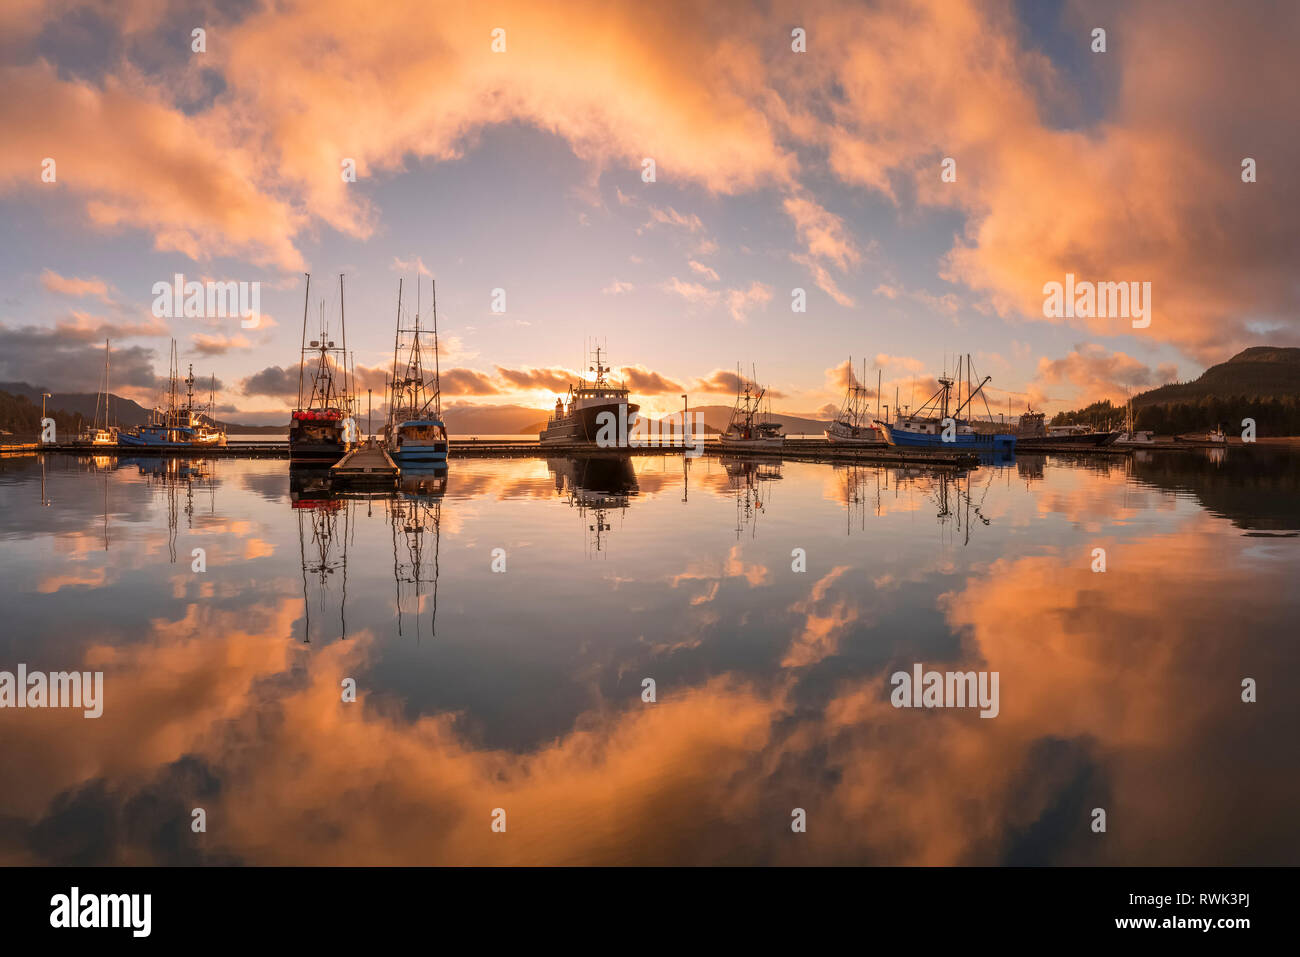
751, 480
173, 474
595, 484
415, 514
957, 496
324, 520
327, 521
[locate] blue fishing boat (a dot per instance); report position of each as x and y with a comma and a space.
939, 424
416, 434
178, 426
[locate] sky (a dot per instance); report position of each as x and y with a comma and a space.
522, 168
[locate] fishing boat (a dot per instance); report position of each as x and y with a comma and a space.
101, 432
415, 433
1214, 436
1084, 436
939, 423
177, 425
1131, 436
321, 430
750, 427
853, 424
577, 417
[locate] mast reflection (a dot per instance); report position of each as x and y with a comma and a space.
319, 510
752, 482
594, 485
173, 475
415, 513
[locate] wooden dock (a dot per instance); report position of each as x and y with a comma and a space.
367, 464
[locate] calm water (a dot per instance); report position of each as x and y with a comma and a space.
522, 690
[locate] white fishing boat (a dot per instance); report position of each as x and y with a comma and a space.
1214, 436
750, 427
1131, 436
853, 424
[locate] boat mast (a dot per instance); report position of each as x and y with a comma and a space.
343, 329
175, 374
437, 370
302, 356
108, 395
100, 395
397, 335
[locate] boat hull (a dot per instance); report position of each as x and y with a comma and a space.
856, 437
1085, 440
735, 443
316, 453
581, 427
420, 455
317, 441
965, 441
156, 441
1136, 439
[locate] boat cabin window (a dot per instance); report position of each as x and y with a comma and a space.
424, 432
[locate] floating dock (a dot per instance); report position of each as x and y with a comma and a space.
367, 465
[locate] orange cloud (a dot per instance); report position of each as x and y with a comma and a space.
70, 286
137, 161
1099, 374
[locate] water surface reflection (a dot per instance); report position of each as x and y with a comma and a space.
522, 689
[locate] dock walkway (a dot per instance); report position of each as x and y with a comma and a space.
365, 465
